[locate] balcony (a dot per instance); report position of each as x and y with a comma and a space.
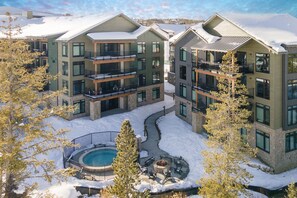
111, 56
111, 75
44, 53
206, 65
247, 69
205, 88
200, 108
109, 94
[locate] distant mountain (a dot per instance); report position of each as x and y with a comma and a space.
149, 22
18, 11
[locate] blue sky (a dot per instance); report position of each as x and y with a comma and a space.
196, 9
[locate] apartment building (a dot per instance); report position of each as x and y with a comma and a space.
106, 62
265, 47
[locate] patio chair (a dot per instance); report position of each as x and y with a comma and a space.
149, 161
178, 170
152, 175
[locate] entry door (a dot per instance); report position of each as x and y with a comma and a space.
44, 47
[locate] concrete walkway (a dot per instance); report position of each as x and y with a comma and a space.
153, 135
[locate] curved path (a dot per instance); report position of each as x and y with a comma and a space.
153, 135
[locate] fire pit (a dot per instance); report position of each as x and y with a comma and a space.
161, 165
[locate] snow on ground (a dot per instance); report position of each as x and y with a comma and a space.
178, 139
82, 126
169, 88
143, 154
253, 194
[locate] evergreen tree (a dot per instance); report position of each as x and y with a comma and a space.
125, 165
291, 191
24, 136
225, 177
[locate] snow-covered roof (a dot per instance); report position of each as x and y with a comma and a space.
176, 28
198, 28
271, 29
175, 37
123, 35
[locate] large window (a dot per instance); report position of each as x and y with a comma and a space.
182, 54
156, 47
292, 63
183, 109
78, 68
262, 141
183, 72
193, 76
156, 77
291, 141
78, 49
141, 80
183, 90
64, 49
194, 98
156, 62
141, 47
262, 63
262, 88
65, 86
262, 114
64, 102
292, 115
156, 93
243, 135
292, 89
65, 68
79, 106
141, 96
194, 56
78, 87
141, 64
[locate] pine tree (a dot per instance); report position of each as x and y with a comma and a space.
225, 177
125, 165
291, 191
24, 136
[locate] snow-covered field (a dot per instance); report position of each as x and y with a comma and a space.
178, 139
169, 88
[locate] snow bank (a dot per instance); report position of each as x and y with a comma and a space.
169, 88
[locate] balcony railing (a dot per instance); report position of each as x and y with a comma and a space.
201, 107
110, 74
43, 52
206, 65
205, 88
110, 55
247, 69
113, 92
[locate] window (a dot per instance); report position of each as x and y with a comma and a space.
64, 49
194, 56
292, 115
183, 109
156, 93
292, 63
65, 86
141, 80
262, 114
291, 141
65, 68
183, 90
262, 88
78, 49
243, 134
292, 89
193, 76
262, 141
79, 106
262, 63
194, 95
156, 77
64, 102
141, 47
141, 96
78, 68
156, 47
156, 62
207, 54
183, 72
78, 87
182, 54
141, 64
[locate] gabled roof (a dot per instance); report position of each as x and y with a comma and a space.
224, 44
273, 30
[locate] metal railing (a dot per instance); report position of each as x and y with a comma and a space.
247, 69
110, 74
86, 140
115, 91
110, 55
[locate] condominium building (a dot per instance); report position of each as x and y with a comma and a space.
106, 62
266, 51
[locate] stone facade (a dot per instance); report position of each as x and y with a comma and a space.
198, 120
149, 94
95, 110
132, 101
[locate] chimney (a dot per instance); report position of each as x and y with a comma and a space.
27, 14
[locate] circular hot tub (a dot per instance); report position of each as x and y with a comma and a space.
99, 159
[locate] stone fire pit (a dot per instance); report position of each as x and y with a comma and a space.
161, 165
